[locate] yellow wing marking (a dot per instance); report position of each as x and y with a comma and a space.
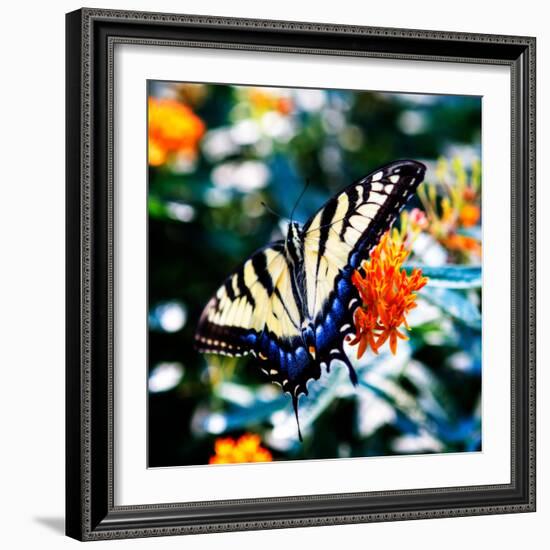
279, 317
319, 283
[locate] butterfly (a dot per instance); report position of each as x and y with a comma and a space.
291, 304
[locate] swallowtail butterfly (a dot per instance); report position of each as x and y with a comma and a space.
291, 304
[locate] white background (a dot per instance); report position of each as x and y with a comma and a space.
32, 289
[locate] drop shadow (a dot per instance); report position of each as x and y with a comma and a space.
56, 524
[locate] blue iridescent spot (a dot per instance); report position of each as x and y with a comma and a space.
251, 338
343, 287
293, 367
273, 350
338, 308
283, 362
319, 333
301, 355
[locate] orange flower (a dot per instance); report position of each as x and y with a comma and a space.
245, 449
469, 194
459, 207
263, 100
469, 215
387, 295
462, 243
173, 129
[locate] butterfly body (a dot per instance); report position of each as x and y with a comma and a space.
291, 304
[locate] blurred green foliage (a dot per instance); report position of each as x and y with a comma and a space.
206, 215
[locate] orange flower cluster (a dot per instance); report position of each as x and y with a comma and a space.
466, 215
245, 449
469, 215
459, 208
387, 293
173, 129
263, 100
463, 243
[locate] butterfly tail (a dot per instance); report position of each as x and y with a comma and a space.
295, 405
352, 374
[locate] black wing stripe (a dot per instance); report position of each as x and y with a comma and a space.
259, 263
229, 288
353, 197
280, 298
297, 286
243, 289
324, 228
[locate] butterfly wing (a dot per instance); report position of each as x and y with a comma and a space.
250, 301
337, 238
255, 311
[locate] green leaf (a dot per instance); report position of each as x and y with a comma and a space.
454, 303
240, 415
156, 207
449, 276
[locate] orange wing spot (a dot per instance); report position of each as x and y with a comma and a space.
312, 351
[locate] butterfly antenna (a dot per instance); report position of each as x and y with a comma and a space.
271, 211
300, 196
295, 405
327, 225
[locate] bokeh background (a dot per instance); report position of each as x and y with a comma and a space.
216, 154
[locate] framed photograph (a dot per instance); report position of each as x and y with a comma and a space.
300, 274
